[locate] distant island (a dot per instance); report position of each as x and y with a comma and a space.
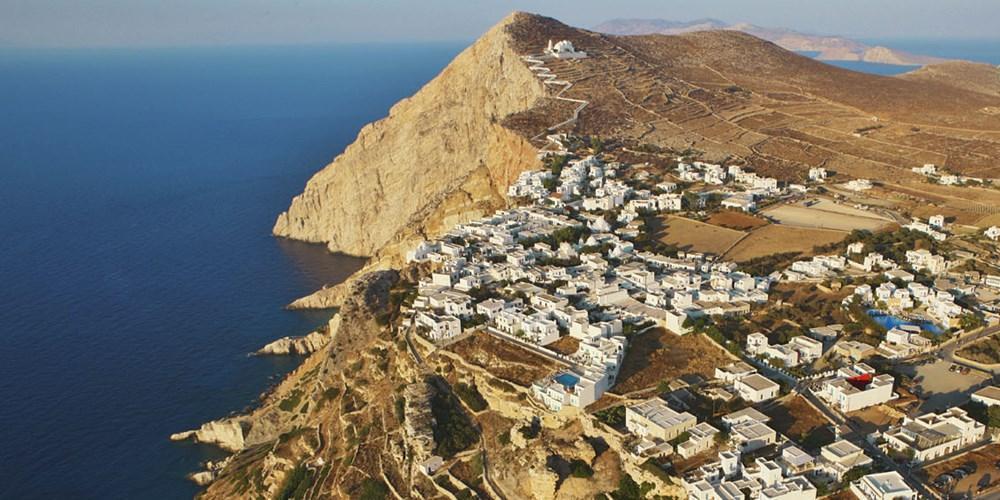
826, 47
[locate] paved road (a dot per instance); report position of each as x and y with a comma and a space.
947, 351
873, 451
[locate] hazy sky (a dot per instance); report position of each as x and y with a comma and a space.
85, 23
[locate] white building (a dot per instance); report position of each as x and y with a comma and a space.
439, 327
883, 486
701, 438
653, 419
564, 50
857, 387
817, 174
933, 435
756, 388
837, 458
989, 396
993, 233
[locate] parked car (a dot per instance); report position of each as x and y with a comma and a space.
970, 466
959, 473
943, 480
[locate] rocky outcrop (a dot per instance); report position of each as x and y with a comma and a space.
438, 159
306, 344
226, 434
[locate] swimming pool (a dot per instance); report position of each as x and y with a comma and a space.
889, 322
567, 379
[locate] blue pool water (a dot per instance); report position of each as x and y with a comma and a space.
889, 322
137, 193
567, 379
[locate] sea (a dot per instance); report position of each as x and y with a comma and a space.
137, 270
977, 50
137, 193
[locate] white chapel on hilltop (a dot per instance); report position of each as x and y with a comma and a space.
564, 50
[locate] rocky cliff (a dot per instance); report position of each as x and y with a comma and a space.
439, 158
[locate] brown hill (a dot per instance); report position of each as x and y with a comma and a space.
827, 48
447, 153
727, 93
977, 77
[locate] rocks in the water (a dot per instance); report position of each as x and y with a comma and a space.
226, 434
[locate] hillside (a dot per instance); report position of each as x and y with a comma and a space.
366, 409
438, 158
977, 77
827, 48
447, 153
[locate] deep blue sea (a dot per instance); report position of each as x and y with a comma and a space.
980, 50
137, 270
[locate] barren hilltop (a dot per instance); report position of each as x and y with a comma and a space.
827, 48
361, 415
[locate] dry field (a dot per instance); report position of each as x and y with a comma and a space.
799, 421
777, 238
659, 355
736, 220
874, 418
566, 345
826, 215
692, 235
502, 359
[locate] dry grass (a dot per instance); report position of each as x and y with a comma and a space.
780, 239
796, 418
565, 345
659, 355
873, 418
736, 220
502, 359
695, 236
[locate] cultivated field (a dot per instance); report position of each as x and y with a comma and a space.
695, 236
777, 238
826, 215
658, 355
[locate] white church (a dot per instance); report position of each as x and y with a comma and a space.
564, 50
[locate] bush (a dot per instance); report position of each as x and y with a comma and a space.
453, 432
373, 489
579, 468
471, 396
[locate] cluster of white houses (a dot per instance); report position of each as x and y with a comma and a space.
934, 435
931, 171
560, 267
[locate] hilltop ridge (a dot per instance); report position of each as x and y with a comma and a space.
826, 47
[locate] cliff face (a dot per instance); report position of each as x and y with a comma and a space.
439, 158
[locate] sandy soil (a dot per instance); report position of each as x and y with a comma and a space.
826, 215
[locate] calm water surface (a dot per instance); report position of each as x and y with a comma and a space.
137, 193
